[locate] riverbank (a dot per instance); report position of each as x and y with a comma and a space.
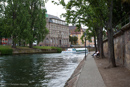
33, 50
7, 50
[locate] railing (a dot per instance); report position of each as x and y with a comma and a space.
124, 21
120, 25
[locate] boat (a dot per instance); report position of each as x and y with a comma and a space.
70, 50
81, 50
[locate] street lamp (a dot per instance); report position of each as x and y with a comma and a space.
85, 45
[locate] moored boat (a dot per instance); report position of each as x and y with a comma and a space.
81, 50
70, 50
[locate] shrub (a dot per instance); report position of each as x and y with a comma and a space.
49, 47
59, 50
6, 51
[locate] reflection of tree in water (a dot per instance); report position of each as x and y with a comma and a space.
33, 70
23, 70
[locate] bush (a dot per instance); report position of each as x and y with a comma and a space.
6, 51
49, 47
42, 47
57, 48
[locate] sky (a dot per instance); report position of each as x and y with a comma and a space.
55, 10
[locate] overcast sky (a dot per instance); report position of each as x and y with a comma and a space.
55, 10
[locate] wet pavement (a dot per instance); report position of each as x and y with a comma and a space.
86, 75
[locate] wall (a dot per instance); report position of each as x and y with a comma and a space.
31, 51
58, 35
121, 46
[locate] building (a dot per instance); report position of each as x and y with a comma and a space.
79, 34
91, 44
58, 33
5, 41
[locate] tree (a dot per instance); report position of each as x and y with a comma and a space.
75, 39
28, 27
71, 39
87, 15
96, 14
38, 29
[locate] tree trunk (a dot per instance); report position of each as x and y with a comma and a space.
0, 41
95, 43
101, 42
24, 43
31, 44
98, 42
14, 43
19, 42
110, 36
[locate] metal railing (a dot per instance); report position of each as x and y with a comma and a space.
122, 22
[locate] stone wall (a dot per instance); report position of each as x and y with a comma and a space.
121, 46
31, 51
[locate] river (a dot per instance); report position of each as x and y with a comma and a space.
37, 70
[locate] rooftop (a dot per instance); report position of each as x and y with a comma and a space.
53, 17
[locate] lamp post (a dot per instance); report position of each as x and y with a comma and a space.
85, 45
89, 46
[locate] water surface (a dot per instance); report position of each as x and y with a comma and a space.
37, 70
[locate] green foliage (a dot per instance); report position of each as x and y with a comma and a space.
24, 20
42, 47
73, 40
48, 47
5, 50
59, 50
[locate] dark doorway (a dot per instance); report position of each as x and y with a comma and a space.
60, 43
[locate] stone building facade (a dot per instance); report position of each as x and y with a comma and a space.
58, 33
121, 46
79, 34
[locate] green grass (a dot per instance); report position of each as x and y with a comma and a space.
6, 50
5, 47
24, 48
42, 47
48, 47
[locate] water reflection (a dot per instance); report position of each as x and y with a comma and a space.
37, 70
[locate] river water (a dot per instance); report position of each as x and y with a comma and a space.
37, 70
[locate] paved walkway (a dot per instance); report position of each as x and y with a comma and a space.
90, 76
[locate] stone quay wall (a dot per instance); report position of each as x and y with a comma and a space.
121, 46
31, 51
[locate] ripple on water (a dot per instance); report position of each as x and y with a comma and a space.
45, 70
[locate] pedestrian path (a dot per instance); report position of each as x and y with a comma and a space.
90, 75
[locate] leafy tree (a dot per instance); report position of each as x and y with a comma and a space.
28, 27
97, 14
71, 39
75, 39
37, 22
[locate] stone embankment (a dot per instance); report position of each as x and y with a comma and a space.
30, 51
74, 77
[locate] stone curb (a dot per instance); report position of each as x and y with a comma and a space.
71, 82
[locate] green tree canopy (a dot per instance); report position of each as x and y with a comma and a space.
25, 20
